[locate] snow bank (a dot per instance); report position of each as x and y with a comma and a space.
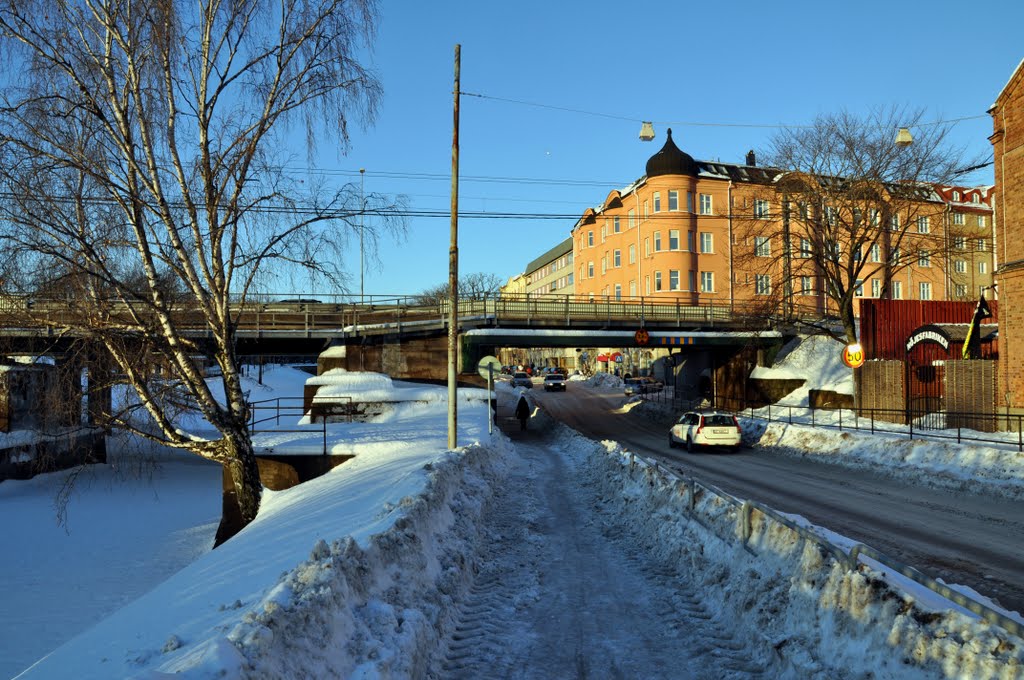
793, 598
607, 380
817, 360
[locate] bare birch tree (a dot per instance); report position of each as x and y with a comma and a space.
143, 146
846, 205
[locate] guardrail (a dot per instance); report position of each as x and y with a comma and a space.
850, 561
285, 407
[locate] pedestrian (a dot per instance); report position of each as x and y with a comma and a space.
522, 412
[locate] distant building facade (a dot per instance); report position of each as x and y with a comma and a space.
970, 222
1008, 151
552, 272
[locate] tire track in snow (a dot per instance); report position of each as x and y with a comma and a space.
561, 590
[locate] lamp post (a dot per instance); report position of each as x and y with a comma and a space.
453, 271
362, 216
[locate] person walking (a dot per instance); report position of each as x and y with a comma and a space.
522, 412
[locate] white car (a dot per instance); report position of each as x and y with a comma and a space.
694, 430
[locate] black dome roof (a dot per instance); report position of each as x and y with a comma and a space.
671, 161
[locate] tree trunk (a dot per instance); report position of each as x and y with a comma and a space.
242, 487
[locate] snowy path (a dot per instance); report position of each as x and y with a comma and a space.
562, 590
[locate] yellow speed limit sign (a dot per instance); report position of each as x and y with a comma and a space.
642, 337
853, 355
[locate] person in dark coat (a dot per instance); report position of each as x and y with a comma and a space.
522, 412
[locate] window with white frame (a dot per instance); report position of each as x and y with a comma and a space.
657, 281
673, 201
832, 250
760, 208
876, 252
657, 241
647, 247
895, 256
961, 290
631, 218
894, 223
982, 245
762, 246
707, 242
616, 226
582, 276
876, 217
981, 220
632, 253
802, 210
858, 288
604, 265
924, 258
673, 279
983, 267
958, 219
590, 239
618, 291
924, 290
959, 242
616, 258
692, 279
762, 284
707, 282
805, 248
956, 195
604, 232
876, 288
690, 238
897, 289
858, 253
923, 225
960, 267
976, 198
689, 201
647, 209
647, 284
657, 201
590, 270
673, 239
831, 215
806, 285
706, 206
632, 289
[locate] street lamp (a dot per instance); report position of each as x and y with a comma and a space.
903, 137
453, 271
362, 216
646, 131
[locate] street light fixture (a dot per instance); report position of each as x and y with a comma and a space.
646, 131
903, 137
362, 216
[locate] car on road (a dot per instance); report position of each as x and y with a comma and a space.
521, 379
554, 381
694, 430
642, 385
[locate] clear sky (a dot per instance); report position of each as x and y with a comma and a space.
599, 68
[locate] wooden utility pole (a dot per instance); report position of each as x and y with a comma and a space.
453, 275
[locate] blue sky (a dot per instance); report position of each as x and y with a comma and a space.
599, 68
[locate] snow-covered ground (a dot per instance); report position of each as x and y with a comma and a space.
371, 569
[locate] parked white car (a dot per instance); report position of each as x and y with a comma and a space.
694, 430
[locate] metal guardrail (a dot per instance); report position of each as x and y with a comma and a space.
850, 560
279, 410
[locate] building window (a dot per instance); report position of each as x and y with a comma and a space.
690, 238
960, 267
705, 204
983, 267
657, 241
762, 284
646, 209
806, 285
631, 215
925, 290
924, 258
632, 289
673, 239
895, 259
858, 253
832, 250
590, 270
632, 253
982, 245
689, 201
876, 252
760, 209
569, 280
897, 289
616, 258
692, 281
707, 242
894, 223
876, 288
673, 201
956, 195
647, 247
657, 202
876, 217
618, 291
958, 219
590, 239
959, 242
923, 226
657, 281
981, 220
762, 246
831, 215
604, 265
707, 282
802, 210
858, 288
582, 274
604, 231
805, 248
647, 285
975, 198
673, 279
616, 226
961, 290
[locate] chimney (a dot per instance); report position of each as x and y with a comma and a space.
751, 160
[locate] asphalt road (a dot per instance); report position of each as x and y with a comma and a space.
958, 537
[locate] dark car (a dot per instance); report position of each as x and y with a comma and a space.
521, 379
642, 385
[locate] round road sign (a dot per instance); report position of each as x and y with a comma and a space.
853, 355
488, 364
642, 337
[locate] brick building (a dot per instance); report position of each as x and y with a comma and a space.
715, 233
1008, 150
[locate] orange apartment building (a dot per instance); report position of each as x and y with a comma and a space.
712, 233
1008, 151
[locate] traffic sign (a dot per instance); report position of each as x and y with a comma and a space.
487, 365
642, 337
853, 355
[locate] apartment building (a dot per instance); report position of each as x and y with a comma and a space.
552, 272
737, 234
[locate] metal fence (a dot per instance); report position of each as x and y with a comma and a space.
273, 410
